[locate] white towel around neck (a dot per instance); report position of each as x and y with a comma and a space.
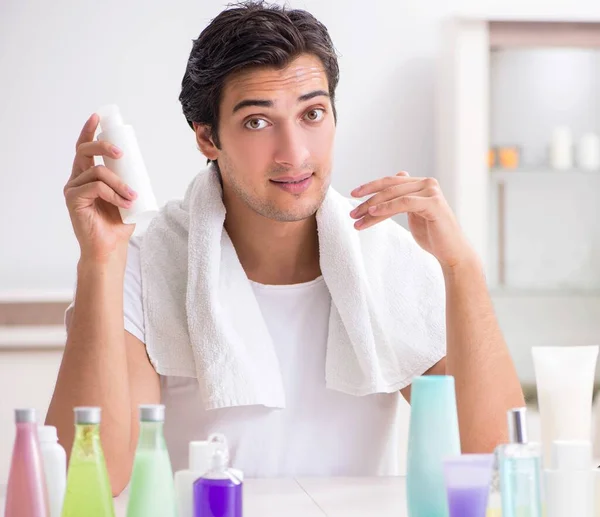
387, 320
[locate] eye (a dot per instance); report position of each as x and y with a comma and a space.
315, 115
255, 124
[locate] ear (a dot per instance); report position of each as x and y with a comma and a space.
205, 142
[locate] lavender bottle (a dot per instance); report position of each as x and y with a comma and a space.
218, 493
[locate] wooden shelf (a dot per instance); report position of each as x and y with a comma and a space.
502, 175
35, 296
32, 336
516, 292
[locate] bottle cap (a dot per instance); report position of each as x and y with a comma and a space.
47, 434
87, 415
25, 416
110, 116
571, 455
152, 413
517, 425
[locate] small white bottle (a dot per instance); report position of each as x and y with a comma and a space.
55, 467
570, 480
588, 152
200, 460
129, 166
561, 149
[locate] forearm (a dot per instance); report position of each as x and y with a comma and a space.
93, 371
477, 356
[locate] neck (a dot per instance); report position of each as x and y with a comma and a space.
273, 252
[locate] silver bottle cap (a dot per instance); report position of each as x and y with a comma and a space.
517, 425
87, 415
25, 416
152, 413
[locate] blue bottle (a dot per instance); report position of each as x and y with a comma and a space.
218, 493
433, 436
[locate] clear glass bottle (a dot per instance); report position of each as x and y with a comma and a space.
520, 470
152, 491
88, 487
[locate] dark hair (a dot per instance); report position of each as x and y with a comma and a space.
248, 35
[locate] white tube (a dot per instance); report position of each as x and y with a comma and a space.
565, 381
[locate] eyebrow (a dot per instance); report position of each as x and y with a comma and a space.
263, 103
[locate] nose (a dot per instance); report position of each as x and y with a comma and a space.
291, 149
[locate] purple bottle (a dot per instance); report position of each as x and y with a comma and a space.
26, 494
218, 493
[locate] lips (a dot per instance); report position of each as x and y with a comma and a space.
293, 179
294, 184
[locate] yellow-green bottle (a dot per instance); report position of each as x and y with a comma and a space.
88, 487
152, 489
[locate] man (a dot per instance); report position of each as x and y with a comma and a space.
259, 93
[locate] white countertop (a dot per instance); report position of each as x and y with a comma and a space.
314, 497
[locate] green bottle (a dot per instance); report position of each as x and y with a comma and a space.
152, 489
88, 488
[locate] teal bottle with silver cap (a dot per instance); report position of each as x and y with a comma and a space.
88, 487
152, 489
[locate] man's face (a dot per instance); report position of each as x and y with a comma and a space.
276, 130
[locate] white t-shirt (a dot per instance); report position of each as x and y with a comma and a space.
321, 432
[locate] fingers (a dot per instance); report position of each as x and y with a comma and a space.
88, 130
84, 156
86, 135
396, 195
387, 194
101, 173
382, 183
405, 204
401, 205
85, 195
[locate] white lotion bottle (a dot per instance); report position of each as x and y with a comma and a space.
561, 148
565, 385
199, 463
130, 166
55, 467
588, 152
